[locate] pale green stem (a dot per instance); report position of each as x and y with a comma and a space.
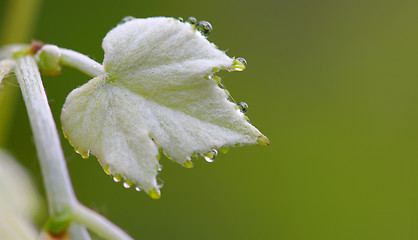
56, 178
81, 62
100, 225
17, 28
58, 186
78, 231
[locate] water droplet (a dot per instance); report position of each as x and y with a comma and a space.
137, 189
117, 178
211, 155
243, 107
159, 167
192, 21
204, 27
154, 193
242, 60
127, 184
239, 64
126, 19
181, 19
263, 140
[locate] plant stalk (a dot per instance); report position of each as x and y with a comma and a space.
60, 193
59, 190
100, 225
81, 62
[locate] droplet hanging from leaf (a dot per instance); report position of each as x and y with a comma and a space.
192, 21
204, 27
211, 155
243, 107
126, 19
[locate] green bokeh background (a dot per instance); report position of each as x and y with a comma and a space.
333, 84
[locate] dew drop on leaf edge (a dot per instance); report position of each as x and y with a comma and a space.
127, 184
211, 155
242, 60
126, 19
239, 64
117, 178
192, 21
204, 27
243, 107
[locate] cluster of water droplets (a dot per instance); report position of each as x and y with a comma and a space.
118, 178
204, 27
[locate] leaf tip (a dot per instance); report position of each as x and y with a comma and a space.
154, 193
263, 140
188, 164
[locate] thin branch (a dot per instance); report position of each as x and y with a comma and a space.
54, 170
78, 231
81, 62
59, 190
99, 224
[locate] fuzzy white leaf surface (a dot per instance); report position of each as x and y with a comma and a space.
154, 95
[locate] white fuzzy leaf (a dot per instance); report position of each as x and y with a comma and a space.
154, 95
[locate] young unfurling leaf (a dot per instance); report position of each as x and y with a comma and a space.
158, 93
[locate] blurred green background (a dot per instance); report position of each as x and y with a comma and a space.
333, 84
